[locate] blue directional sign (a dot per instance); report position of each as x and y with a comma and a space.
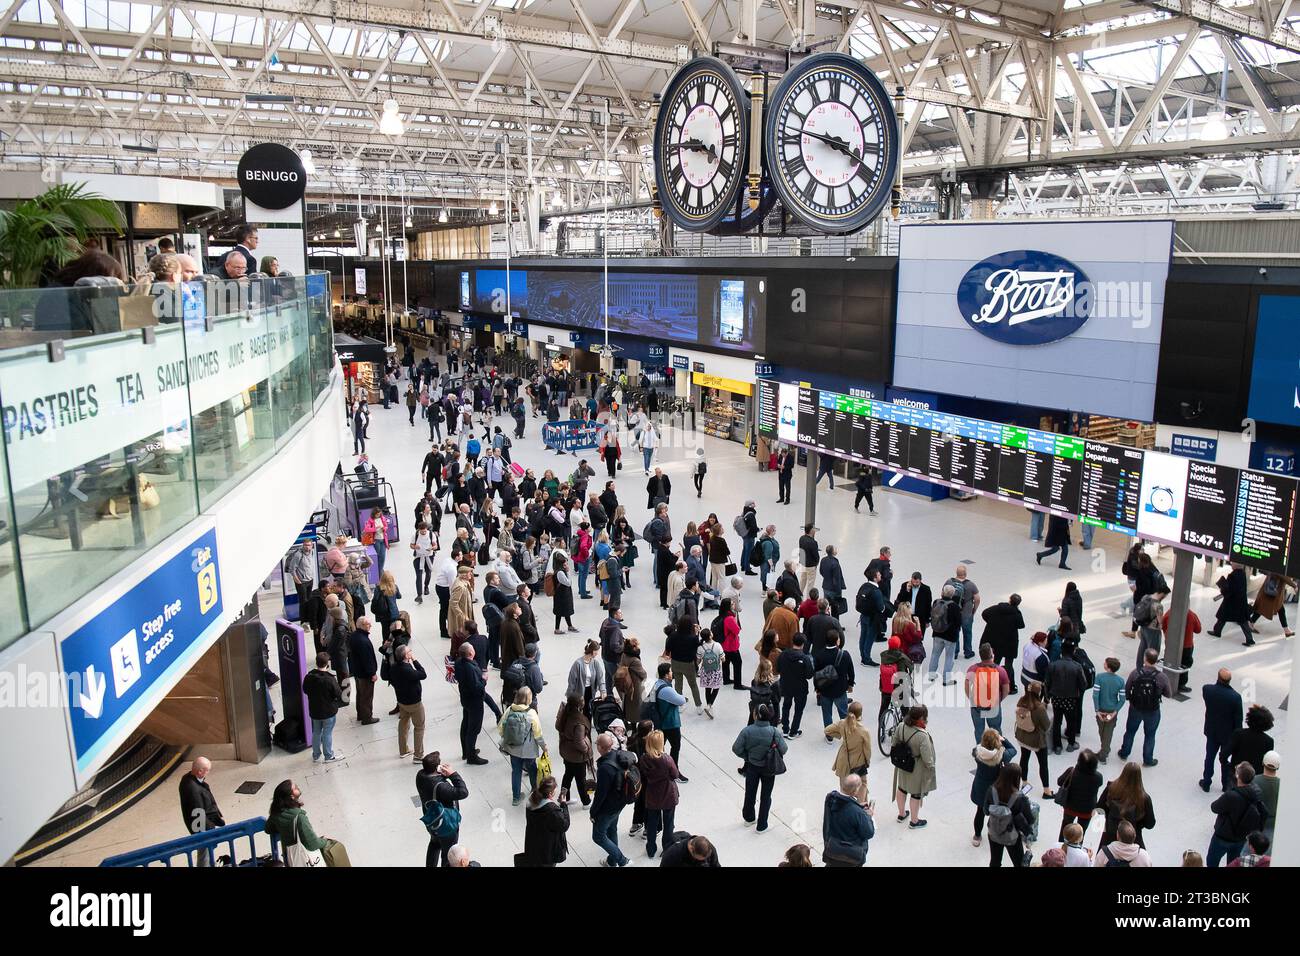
114, 659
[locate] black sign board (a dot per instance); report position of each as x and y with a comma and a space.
272, 176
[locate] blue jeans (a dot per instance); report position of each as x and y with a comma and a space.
840, 703
381, 552
967, 625
646, 455
763, 572
1221, 848
1148, 720
322, 738
657, 821
584, 568
948, 649
1036, 525
604, 833
1088, 531
746, 546
983, 717
517, 767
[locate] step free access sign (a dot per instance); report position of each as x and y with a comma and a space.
142, 639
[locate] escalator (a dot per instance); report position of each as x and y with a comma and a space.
133, 771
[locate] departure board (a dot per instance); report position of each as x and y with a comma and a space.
1200, 506
1263, 521
1111, 482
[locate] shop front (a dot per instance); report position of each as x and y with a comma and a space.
726, 406
363, 361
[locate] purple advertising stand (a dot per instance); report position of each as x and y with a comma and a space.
291, 641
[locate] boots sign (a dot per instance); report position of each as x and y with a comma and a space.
272, 176
1025, 297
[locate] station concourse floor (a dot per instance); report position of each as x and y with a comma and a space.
366, 799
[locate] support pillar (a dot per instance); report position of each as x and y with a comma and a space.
1286, 838
810, 489
1179, 599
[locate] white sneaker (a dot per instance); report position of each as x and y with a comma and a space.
698, 711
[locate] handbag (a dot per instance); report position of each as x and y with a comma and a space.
1062, 788
774, 762
367, 537
730, 569
543, 767
295, 854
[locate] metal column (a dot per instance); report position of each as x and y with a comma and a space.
1178, 604
810, 489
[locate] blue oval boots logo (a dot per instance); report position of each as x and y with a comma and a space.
1025, 297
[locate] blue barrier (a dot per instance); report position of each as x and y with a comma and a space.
573, 435
206, 843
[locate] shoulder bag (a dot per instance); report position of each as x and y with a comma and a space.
774, 762
297, 855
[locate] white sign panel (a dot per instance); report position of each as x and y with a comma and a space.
360, 276
1061, 315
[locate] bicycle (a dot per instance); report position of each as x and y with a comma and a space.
900, 701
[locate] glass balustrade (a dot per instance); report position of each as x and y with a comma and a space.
126, 414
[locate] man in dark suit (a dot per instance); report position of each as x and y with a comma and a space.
471, 684
1222, 720
365, 670
658, 488
245, 243
918, 595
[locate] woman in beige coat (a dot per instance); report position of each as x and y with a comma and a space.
461, 607
855, 748
921, 779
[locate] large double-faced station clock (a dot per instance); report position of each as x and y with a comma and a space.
829, 152
701, 141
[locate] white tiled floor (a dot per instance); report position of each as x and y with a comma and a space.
365, 799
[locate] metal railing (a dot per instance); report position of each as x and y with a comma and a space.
202, 849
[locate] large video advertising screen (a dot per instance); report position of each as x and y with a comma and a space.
725, 312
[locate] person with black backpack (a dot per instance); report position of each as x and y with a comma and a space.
911, 751
1241, 812
618, 781
763, 749
832, 678
1144, 690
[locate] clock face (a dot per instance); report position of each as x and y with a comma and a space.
832, 143
701, 139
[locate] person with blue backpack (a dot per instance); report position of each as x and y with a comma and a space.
440, 789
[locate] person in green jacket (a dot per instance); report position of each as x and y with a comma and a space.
288, 820
753, 744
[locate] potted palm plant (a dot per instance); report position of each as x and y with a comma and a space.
48, 230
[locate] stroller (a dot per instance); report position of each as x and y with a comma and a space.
604, 712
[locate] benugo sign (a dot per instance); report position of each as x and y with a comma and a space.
111, 391
726, 384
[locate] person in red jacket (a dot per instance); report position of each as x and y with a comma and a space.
1193, 628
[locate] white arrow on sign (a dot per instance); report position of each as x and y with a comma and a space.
92, 706
75, 489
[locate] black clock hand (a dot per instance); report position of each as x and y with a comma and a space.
837, 144
698, 146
